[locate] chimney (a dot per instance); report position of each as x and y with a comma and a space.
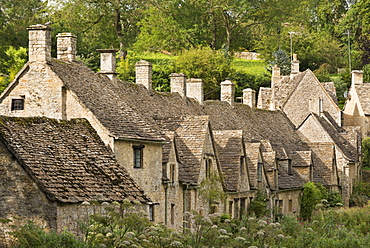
357, 77
66, 46
275, 75
295, 66
144, 74
227, 92
315, 106
194, 89
178, 83
39, 43
249, 97
108, 63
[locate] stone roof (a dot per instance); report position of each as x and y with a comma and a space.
338, 135
289, 181
229, 145
322, 156
100, 96
190, 134
68, 160
252, 151
331, 90
362, 91
284, 88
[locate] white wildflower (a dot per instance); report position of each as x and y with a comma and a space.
223, 231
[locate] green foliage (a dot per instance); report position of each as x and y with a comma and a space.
282, 59
366, 70
211, 66
258, 205
310, 197
366, 151
212, 189
360, 194
31, 235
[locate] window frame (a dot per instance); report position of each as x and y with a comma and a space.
15, 106
138, 155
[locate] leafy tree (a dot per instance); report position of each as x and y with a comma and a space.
366, 151
211, 66
311, 196
258, 205
282, 59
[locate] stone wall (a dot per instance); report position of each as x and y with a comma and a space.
149, 177
20, 197
41, 90
288, 201
297, 108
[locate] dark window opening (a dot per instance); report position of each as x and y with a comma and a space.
172, 214
17, 104
151, 212
138, 156
172, 173
259, 171
208, 168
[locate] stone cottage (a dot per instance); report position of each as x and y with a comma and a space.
50, 167
174, 145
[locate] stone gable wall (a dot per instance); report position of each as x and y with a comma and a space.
20, 198
42, 93
297, 108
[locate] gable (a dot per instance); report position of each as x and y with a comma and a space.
308, 92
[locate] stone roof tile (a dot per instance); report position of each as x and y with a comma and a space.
68, 160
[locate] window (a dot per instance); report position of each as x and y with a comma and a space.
208, 167
172, 214
242, 158
290, 205
17, 104
151, 212
290, 170
138, 156
172, 173
259, 171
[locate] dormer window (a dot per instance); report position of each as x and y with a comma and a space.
208, 167
17, 104
172, 173
138, 156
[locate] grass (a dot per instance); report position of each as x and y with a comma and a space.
256, 67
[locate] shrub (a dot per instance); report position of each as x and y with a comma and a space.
258, 205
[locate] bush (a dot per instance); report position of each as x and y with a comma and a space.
258, 205
33, 236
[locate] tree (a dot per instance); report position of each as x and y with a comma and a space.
211, 66
100, 24
281, 59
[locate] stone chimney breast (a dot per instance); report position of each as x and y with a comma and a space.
178, 83
108, 63
227, 92
357, 77
194, 89
144, 74
39, 43
295, 65
66, 46
249, 97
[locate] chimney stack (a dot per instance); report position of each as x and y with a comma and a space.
295, 66
66, 46
194, 89
227, 92
108, 63
178, 83
275, 75
249, 97
144, 74
39, 43
357, 77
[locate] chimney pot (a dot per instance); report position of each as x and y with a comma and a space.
295, 66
